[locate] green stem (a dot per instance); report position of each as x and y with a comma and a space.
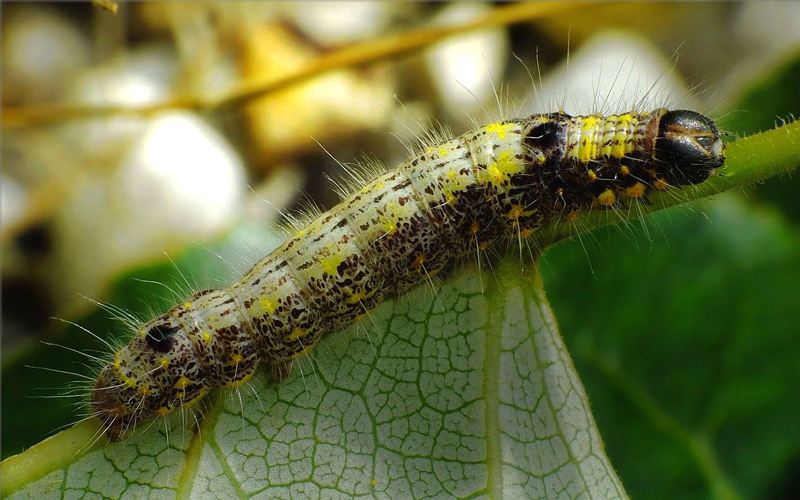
53, 453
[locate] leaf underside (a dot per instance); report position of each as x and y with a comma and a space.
469, 395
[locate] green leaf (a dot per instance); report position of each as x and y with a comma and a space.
466, 395
688, 348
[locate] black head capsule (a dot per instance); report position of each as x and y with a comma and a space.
687, 147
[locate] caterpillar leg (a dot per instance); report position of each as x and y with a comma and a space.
281, 371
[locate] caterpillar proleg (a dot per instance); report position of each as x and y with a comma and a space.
503, 180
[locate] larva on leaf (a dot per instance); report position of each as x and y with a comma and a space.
503, 180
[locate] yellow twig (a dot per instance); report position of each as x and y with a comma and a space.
108, 5
358, 54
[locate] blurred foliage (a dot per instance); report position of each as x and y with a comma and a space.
688, 336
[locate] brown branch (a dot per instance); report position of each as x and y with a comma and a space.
359, 54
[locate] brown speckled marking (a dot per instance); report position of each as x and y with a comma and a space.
502, 180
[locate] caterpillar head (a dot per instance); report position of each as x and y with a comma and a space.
152, 375
688, 147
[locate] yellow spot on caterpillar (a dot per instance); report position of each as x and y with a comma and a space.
296, 334
592, 175
586, 151
418, 262
560, 192
607, 136
356, 297
454, 183
359, 295
624, 170
142, 333
635, 191
620, 143
198, 397
572, 215
447, 189
331, 264
164, 411
267, 305
494, 173
474, 227
504, 166
507, 164
303, 351
372, 187
442, 152
242, 381
235, 359
207, 336
501, 129
526, 233
606, 198
661, 184
182, 383
483, 245
515, 212
388, 225
589, 141
144, 390
187, 305
163, 362
130, 382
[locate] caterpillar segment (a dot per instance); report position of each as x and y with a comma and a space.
499, 181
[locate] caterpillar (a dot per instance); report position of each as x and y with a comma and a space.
503, 180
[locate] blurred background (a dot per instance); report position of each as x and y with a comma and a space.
143, 138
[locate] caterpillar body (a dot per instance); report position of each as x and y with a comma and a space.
500, 181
